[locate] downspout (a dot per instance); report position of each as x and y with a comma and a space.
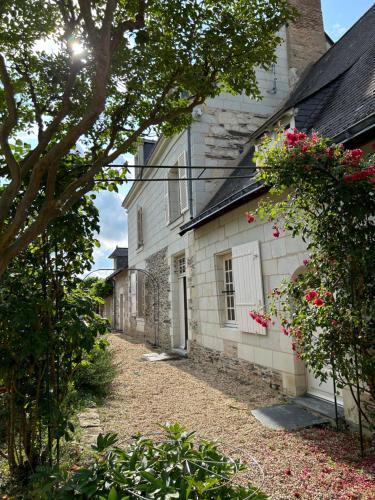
189, 169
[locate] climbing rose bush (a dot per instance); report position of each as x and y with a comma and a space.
325, 194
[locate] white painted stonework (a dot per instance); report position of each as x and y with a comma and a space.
217, 138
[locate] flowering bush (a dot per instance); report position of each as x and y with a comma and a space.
326, 195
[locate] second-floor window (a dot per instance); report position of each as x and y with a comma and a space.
139, 227
177, 189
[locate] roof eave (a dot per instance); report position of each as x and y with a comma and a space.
209, 216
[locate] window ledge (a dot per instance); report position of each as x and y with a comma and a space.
176, 222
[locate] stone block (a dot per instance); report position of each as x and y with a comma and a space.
263, 357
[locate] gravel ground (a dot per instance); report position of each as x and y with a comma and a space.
310, 464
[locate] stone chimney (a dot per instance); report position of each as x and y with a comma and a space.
305, 38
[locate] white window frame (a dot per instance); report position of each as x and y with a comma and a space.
229, 298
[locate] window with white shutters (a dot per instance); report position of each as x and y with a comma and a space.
247, 277
183, 185
139, 227
172, 195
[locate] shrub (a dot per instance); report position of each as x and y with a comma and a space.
96, 372
173, 468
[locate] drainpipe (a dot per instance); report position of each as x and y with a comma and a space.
189, 169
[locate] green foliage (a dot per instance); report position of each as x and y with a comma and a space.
326, 195
96, 371
176, 467
143, 67
48, 325
99, 287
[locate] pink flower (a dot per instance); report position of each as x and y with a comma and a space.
319, 302
306, 262
334, 322
284, 330
328, 294
276, 233
330, 152
250, 217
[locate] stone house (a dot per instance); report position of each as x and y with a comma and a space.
211, 267
116, 307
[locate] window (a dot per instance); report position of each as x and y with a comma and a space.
180, 266
230, 312
139, 227
140, 295
176, 191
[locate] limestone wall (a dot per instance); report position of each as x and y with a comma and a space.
280, 258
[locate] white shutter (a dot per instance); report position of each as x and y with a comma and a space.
139, 227
248, 285
133, 293
183, 185
166, 200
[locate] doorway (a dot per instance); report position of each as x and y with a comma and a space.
182, 304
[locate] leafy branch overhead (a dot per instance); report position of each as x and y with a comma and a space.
97, 74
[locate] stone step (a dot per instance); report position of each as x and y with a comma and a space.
319, 406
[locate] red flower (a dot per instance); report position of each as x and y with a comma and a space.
250, 217
276, 233
356, 153
370, 170
306, 262
318, 302
311, 295
328, 294
284, 330
334, 322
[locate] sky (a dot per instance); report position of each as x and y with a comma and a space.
338, 17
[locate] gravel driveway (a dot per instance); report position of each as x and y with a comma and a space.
309, 464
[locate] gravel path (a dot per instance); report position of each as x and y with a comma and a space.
310, 464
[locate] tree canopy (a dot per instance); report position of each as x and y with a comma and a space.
97, 74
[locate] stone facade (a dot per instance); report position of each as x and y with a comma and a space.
280, 258
216, 137
229, 362
120, 305
157, 266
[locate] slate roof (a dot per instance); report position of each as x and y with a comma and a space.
338, 91
236, 190
119, 252
336, 95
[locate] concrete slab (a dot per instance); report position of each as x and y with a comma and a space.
289, 417
161, 356
317, 405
